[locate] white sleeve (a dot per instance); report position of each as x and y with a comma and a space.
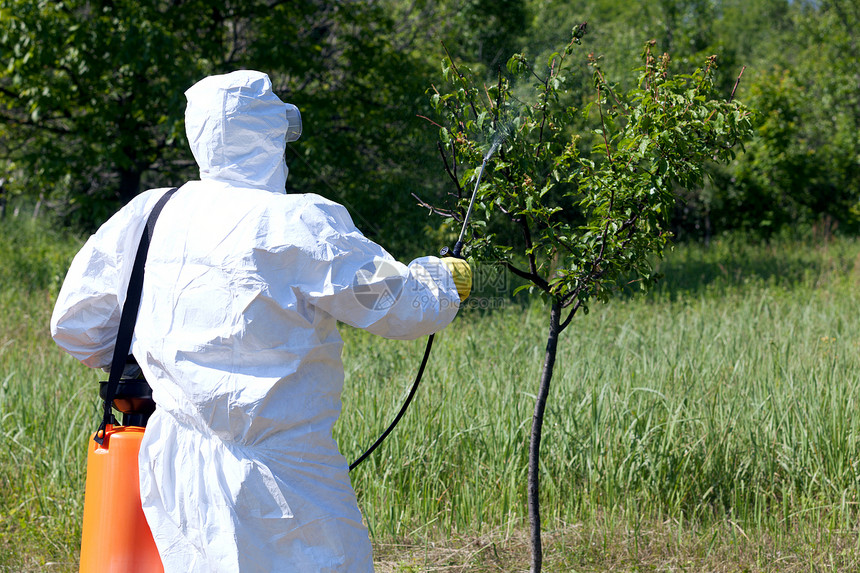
366, 287
87, 312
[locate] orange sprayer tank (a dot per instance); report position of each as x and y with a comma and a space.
116, 537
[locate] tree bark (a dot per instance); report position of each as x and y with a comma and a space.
534, 446
129, 184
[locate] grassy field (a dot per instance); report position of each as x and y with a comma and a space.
711, 425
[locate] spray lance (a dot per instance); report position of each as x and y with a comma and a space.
445, 252
458, 246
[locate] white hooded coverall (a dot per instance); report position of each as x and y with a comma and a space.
237, 336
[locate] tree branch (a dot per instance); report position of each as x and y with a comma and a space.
436, 210
42, 125
461, 77
603, 125
737, 82
621, 107
531, 277
572, 312
451, 174
429, 120
544, 114
527, 236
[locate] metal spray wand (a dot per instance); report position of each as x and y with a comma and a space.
458, 246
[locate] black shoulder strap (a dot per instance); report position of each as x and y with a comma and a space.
128, 317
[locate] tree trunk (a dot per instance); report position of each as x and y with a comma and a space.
129, 184
534, 446
38, 206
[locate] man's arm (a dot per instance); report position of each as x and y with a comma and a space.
364, 286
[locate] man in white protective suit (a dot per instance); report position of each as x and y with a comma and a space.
237, 336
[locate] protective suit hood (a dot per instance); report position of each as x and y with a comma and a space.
237, 129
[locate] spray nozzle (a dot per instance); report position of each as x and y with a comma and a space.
455, 252
504, 129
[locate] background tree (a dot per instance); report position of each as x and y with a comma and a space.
801, 169
91, 103
802, 174
87, 94
91, 96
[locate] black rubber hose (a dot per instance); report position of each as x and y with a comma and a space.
402, 409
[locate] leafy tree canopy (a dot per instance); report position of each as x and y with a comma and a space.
91, 95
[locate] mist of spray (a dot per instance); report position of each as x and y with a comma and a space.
498, 139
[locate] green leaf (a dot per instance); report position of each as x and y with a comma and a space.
522, 288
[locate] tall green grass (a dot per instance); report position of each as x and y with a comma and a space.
742, 405
46, 405
727, 396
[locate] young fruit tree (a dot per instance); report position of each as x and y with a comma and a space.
576, 202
